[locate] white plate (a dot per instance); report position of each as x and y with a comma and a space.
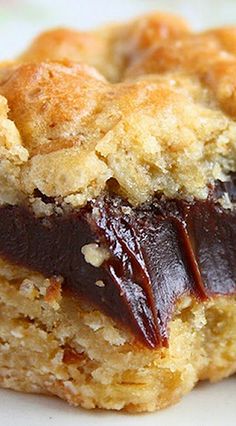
207, 405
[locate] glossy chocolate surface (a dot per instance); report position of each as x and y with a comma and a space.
158, 252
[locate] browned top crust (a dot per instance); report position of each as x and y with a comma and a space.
109, 49
149, 104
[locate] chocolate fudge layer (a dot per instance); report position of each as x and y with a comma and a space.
132, 263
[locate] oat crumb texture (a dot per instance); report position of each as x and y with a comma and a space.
148, 105
51, 343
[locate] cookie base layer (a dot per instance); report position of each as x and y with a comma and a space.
52, 344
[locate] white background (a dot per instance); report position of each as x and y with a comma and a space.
22, 19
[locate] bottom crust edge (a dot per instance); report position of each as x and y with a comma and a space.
52, 343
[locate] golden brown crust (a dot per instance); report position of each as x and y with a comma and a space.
208, 56
64, 43
168, 125
51, 104
107, 49
56, 345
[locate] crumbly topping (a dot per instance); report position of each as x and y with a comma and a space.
12, 156
107, 49
100, 283
226, 202
95, 255
165, 120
